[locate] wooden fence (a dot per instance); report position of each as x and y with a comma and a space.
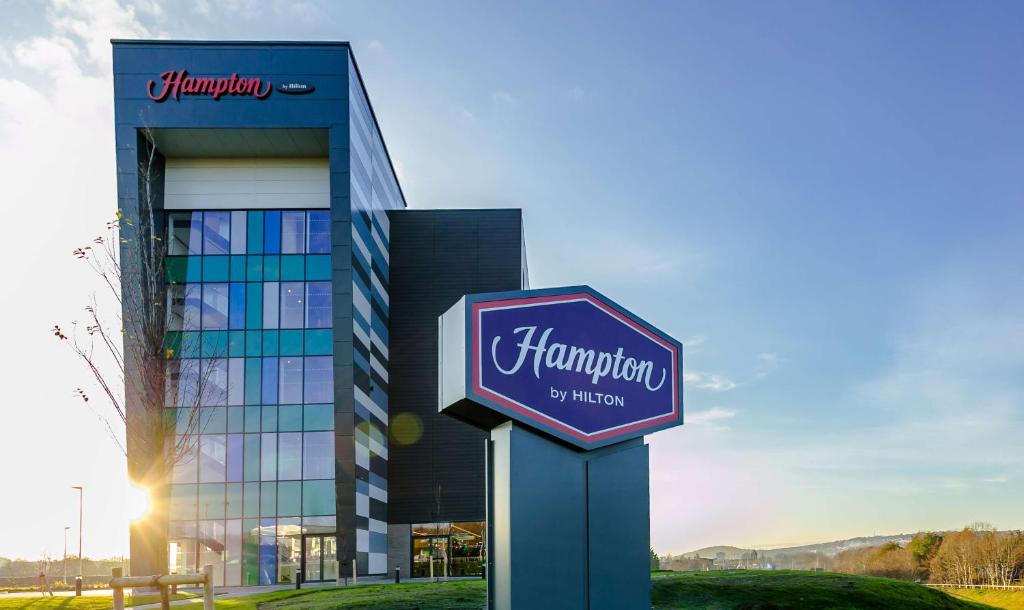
119, 583
994, 587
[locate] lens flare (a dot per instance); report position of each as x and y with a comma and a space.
137, 503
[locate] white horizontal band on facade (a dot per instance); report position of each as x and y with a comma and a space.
236, 184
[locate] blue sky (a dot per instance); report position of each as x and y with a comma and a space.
822, 200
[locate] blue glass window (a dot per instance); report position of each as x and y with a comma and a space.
318, 455
237, 268
214, 380
252, 381
236, 343
291, 343
236, 308
255, 233
289, 456
238, 233
215, 306
289, 418
290, 388
214, 344
269, 419
289, 502
236, 381
318, 497
236, 420
251, 471
291, 304
318, 342
269, 394
272, 233
254, 305
212, 458
234, 500
318, 417
211, 506
268, 457
319, 233
216, 229
192, 311
318, 267
270, 304
234, 457
318, 305
271, 268
184, 233
293, 267
318, 382
293, 232
270, 339
268, 548
216, 269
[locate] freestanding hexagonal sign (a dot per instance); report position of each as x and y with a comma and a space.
568, 362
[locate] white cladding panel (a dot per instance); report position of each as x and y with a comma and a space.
237, 184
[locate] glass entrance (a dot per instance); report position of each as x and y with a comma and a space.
318, 554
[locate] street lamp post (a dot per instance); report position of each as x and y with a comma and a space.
81, 494
66, 528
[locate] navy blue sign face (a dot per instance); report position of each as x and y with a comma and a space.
295, 88
574, 364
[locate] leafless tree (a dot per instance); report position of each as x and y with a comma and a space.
124, 348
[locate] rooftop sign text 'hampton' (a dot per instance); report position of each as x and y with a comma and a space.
180, 82
569, 362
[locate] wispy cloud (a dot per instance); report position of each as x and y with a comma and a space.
504, 99
713, 382
766, 361
305, 12
710, 416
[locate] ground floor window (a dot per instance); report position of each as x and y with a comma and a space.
448, 549
255, 551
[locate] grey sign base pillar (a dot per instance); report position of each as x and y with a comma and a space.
567, 529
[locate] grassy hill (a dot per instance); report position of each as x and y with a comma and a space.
752, 590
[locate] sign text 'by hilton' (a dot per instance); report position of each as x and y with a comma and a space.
572, 363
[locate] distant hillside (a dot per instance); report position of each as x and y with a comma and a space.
710, 552
828, 549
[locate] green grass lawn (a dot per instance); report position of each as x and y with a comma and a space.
747, 590
794, 589
454, 595
89, 602
1010, 600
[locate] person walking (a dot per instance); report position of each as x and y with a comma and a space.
44, 585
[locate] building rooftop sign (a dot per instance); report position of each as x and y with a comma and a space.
175, 83
566, 361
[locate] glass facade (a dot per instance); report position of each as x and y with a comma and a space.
249, 341
455, 549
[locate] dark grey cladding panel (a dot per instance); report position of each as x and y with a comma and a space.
436, 257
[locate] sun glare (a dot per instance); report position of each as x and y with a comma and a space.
137, 502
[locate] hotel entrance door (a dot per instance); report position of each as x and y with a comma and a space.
318, 558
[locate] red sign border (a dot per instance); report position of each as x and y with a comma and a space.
553, 423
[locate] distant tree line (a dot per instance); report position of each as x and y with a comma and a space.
975, 555
55, 567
